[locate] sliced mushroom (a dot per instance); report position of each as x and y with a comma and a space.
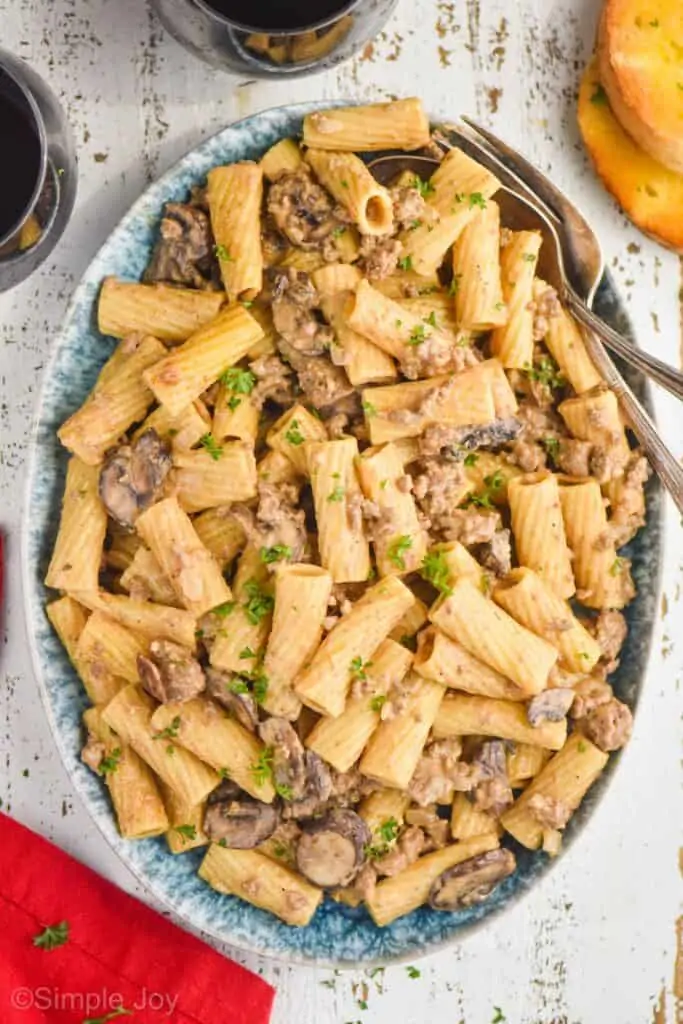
240, 704
317, 790
240, 824
471, 881
331, 850
182, 254
289, 764
549, 706
171, 672
453, 442
132, 477
227, 790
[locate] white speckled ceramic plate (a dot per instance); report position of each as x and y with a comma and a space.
338, 936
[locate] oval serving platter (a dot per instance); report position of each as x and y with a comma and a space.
338, 936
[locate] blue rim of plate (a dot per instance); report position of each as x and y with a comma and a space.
338, 936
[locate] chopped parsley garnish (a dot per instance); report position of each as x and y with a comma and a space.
418, 335
471, 459
242, 382
415, 224
369, 409
435, 570
547, 372
238, 685
599, 96
378, 702
581, 747
618, 566
276, 553
454, 285
293, 434
358, 668
529, 257
431, 319
258, 603
259, 682
225, 609
262, 770
397, 549
224, 773
425, 188
408, 641
338, 232
223, 254
234, 403
552, 446
53, 937
413, 972
406, 263
344, 184
211, 445
246, 654
186, 832
108, 765
492, 483
337, 493
170, 732
387, 833
477, 199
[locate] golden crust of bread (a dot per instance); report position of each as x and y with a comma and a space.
640, 60
650, 194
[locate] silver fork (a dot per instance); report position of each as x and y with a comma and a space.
577, 267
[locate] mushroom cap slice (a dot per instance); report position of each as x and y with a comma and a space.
331, 849
241, 706
289, 762
171, 673
471, 881
240, 824
132, 477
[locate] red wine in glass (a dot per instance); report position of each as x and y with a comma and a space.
276, 16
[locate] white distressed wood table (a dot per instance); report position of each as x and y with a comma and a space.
595, 943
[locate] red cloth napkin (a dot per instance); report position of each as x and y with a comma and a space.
120, 955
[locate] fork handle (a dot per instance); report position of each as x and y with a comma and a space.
665, 465
663, 374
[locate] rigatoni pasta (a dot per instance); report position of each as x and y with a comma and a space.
314, 563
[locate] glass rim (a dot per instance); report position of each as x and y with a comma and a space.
42, 140
345, 9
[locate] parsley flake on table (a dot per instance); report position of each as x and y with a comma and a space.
413, 972
498, 1016
53, 936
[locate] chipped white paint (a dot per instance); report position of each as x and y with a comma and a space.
595, 942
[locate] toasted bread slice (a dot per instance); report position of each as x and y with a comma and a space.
650, 194
640, 61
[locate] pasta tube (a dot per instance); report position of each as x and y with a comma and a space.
449, 663
468, 821
234, 195
261, 881
68, 619
491, 635
396, 746
282, 158
221, 534
77, 554
191, 368
182, 431
105, 647
567, 777
341, 741
601, 581
247, 619
346, 649
151, 621
463, 715
344, 549
185, 823
111, 408
166, 312
535, 605
594, 416
220, 475
566, 345
302, 593
399, 541
204, 729
401, 124
539, 530
192, 570
129, 714
350, 182
145, 580
513, 343
364, 363
459, 188
479, 304
405, 892
138, 806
